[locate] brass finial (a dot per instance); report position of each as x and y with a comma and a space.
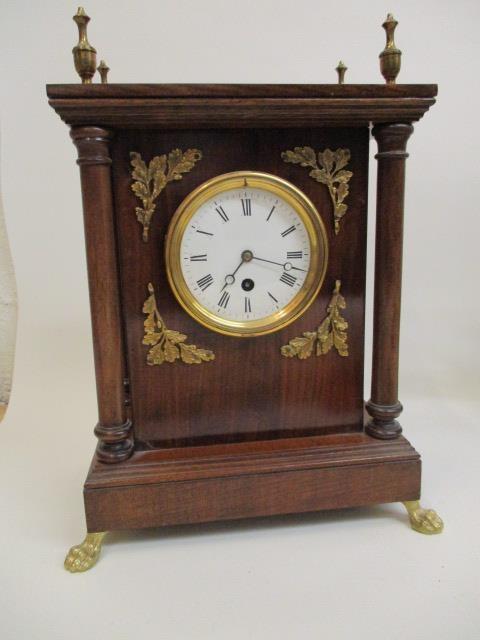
84, 55
390, 58
103, 70
340, 69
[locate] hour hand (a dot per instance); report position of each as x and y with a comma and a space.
247, 256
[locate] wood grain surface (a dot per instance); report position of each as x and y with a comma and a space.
250, 433
223, 482
249, 391
239, 106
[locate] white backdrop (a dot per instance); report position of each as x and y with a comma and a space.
209, 586
8, 313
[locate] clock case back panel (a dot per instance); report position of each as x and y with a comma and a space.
249, 392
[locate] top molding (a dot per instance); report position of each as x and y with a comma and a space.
136, 106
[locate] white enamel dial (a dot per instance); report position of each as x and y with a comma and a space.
246, 253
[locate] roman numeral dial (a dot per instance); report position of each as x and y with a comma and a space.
205, 282
224, 299
247, 206
288, 279
221, 212
290, 229
248, 255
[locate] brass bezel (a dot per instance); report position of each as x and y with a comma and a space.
318, 248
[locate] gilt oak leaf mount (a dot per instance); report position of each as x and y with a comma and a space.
165, 344
149, 181
332, 332
328, 168
240, 261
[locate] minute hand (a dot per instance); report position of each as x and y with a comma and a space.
284, 265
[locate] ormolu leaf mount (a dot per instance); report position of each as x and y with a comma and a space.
328, 168
150, 181
332, 332
168, 345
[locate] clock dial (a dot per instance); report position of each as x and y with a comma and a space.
246, 253
255, 259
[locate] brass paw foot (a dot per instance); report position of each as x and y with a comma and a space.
423, 520
83, 556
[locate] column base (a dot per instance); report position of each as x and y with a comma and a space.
383, 424
115, 444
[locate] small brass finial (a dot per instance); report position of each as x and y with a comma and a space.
103, 70
340, 69
390, 58
84, 55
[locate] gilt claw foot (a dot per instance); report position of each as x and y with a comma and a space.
423, 520
83, 556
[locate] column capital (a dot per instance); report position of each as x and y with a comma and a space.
93, 144
392, 140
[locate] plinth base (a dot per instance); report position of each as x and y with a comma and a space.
224, 482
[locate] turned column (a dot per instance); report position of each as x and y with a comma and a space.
113, 428
384, 406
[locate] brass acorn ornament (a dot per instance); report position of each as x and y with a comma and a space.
390, 57
103, 70
341, 69
84, 55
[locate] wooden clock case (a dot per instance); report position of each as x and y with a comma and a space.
250, 433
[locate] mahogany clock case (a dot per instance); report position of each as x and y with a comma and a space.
249, 392
252, 432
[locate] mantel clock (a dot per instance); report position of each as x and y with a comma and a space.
226, 250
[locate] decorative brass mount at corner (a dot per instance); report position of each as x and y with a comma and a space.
341, 69
331, 173
84, 55
149, 182
332, 332
168, 345
390, 57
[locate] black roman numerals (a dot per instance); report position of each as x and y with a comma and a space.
287, 231
270, 214
205, 282
292, 255
248, 305
288, 279
221, 212
200, 258
224, 299
247, 206
272, 297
